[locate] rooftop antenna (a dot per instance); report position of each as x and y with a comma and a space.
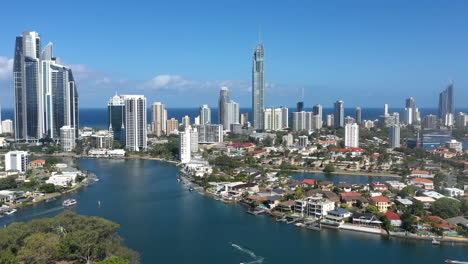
259, 34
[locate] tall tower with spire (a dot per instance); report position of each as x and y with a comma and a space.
258, 85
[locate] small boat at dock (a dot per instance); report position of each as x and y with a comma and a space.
314, 226
10, 212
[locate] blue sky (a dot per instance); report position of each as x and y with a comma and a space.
366, 53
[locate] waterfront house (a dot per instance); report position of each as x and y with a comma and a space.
394, 218
365, 219
421, 174
338, 215
63, 179
459, 221
286, 206
395, 185
378, 187
441, 223
381, 202
425, 183
307, 183
317, 207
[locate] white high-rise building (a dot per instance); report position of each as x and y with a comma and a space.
330, 120
234, 113
135, 122
299, 121
284, 117
303, 141
7, 126
352, 135
210, 133
158, 118
188, 143
394, 136
385, 109
16, 161
186, 121
273, 118
316, 122
205, 115
196, 120
67, 138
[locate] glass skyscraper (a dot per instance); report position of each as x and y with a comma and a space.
115, 117
446, 105
339, 114
46, 98
258, 86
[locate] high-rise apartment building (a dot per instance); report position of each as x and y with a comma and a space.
303, 141
188, 144
258, 86
273, 118
462, 120
186, 121
67, 138
284, 117
300, 106
16, 161
46, 97
358, 115
205, 115
339, 114
210, 133
244, 120
447, 105
234, 112
135, 120
7, 126
330, 120
158, 118
394, 136
352, 135
223, 108
116, 117
412, 115
430, 122
172, 125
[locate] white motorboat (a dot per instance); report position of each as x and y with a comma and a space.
10, 212
69, 202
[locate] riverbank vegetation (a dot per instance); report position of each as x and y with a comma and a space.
66, 238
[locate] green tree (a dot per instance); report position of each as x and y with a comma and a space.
407, 191
446, 207
114, 260
39, 248
8, 183
329, 168
408, 221
116, 144
47, 188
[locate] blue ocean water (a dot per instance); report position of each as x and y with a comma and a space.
97, 117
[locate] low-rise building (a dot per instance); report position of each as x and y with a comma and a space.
454, 192
313, 207
394, 218
395, 185
425, 183
63, 179
381, 202
35, 164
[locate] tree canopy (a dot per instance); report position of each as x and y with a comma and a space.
66, 237
446, 207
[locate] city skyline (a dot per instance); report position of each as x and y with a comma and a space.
307, 57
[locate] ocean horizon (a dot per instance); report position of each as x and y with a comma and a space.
97, 117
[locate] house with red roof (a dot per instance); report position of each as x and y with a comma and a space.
37, 164
394, 218
308, 183
422, 182
377, 186
441, 223
381, 202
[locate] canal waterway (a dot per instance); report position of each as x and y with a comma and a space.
168, 224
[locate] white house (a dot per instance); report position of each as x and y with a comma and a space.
454, 192
63, 179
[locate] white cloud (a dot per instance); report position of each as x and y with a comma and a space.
6, 68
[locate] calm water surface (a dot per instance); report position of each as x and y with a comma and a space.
168, 224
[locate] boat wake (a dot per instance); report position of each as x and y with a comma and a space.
256, 259
47, 211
